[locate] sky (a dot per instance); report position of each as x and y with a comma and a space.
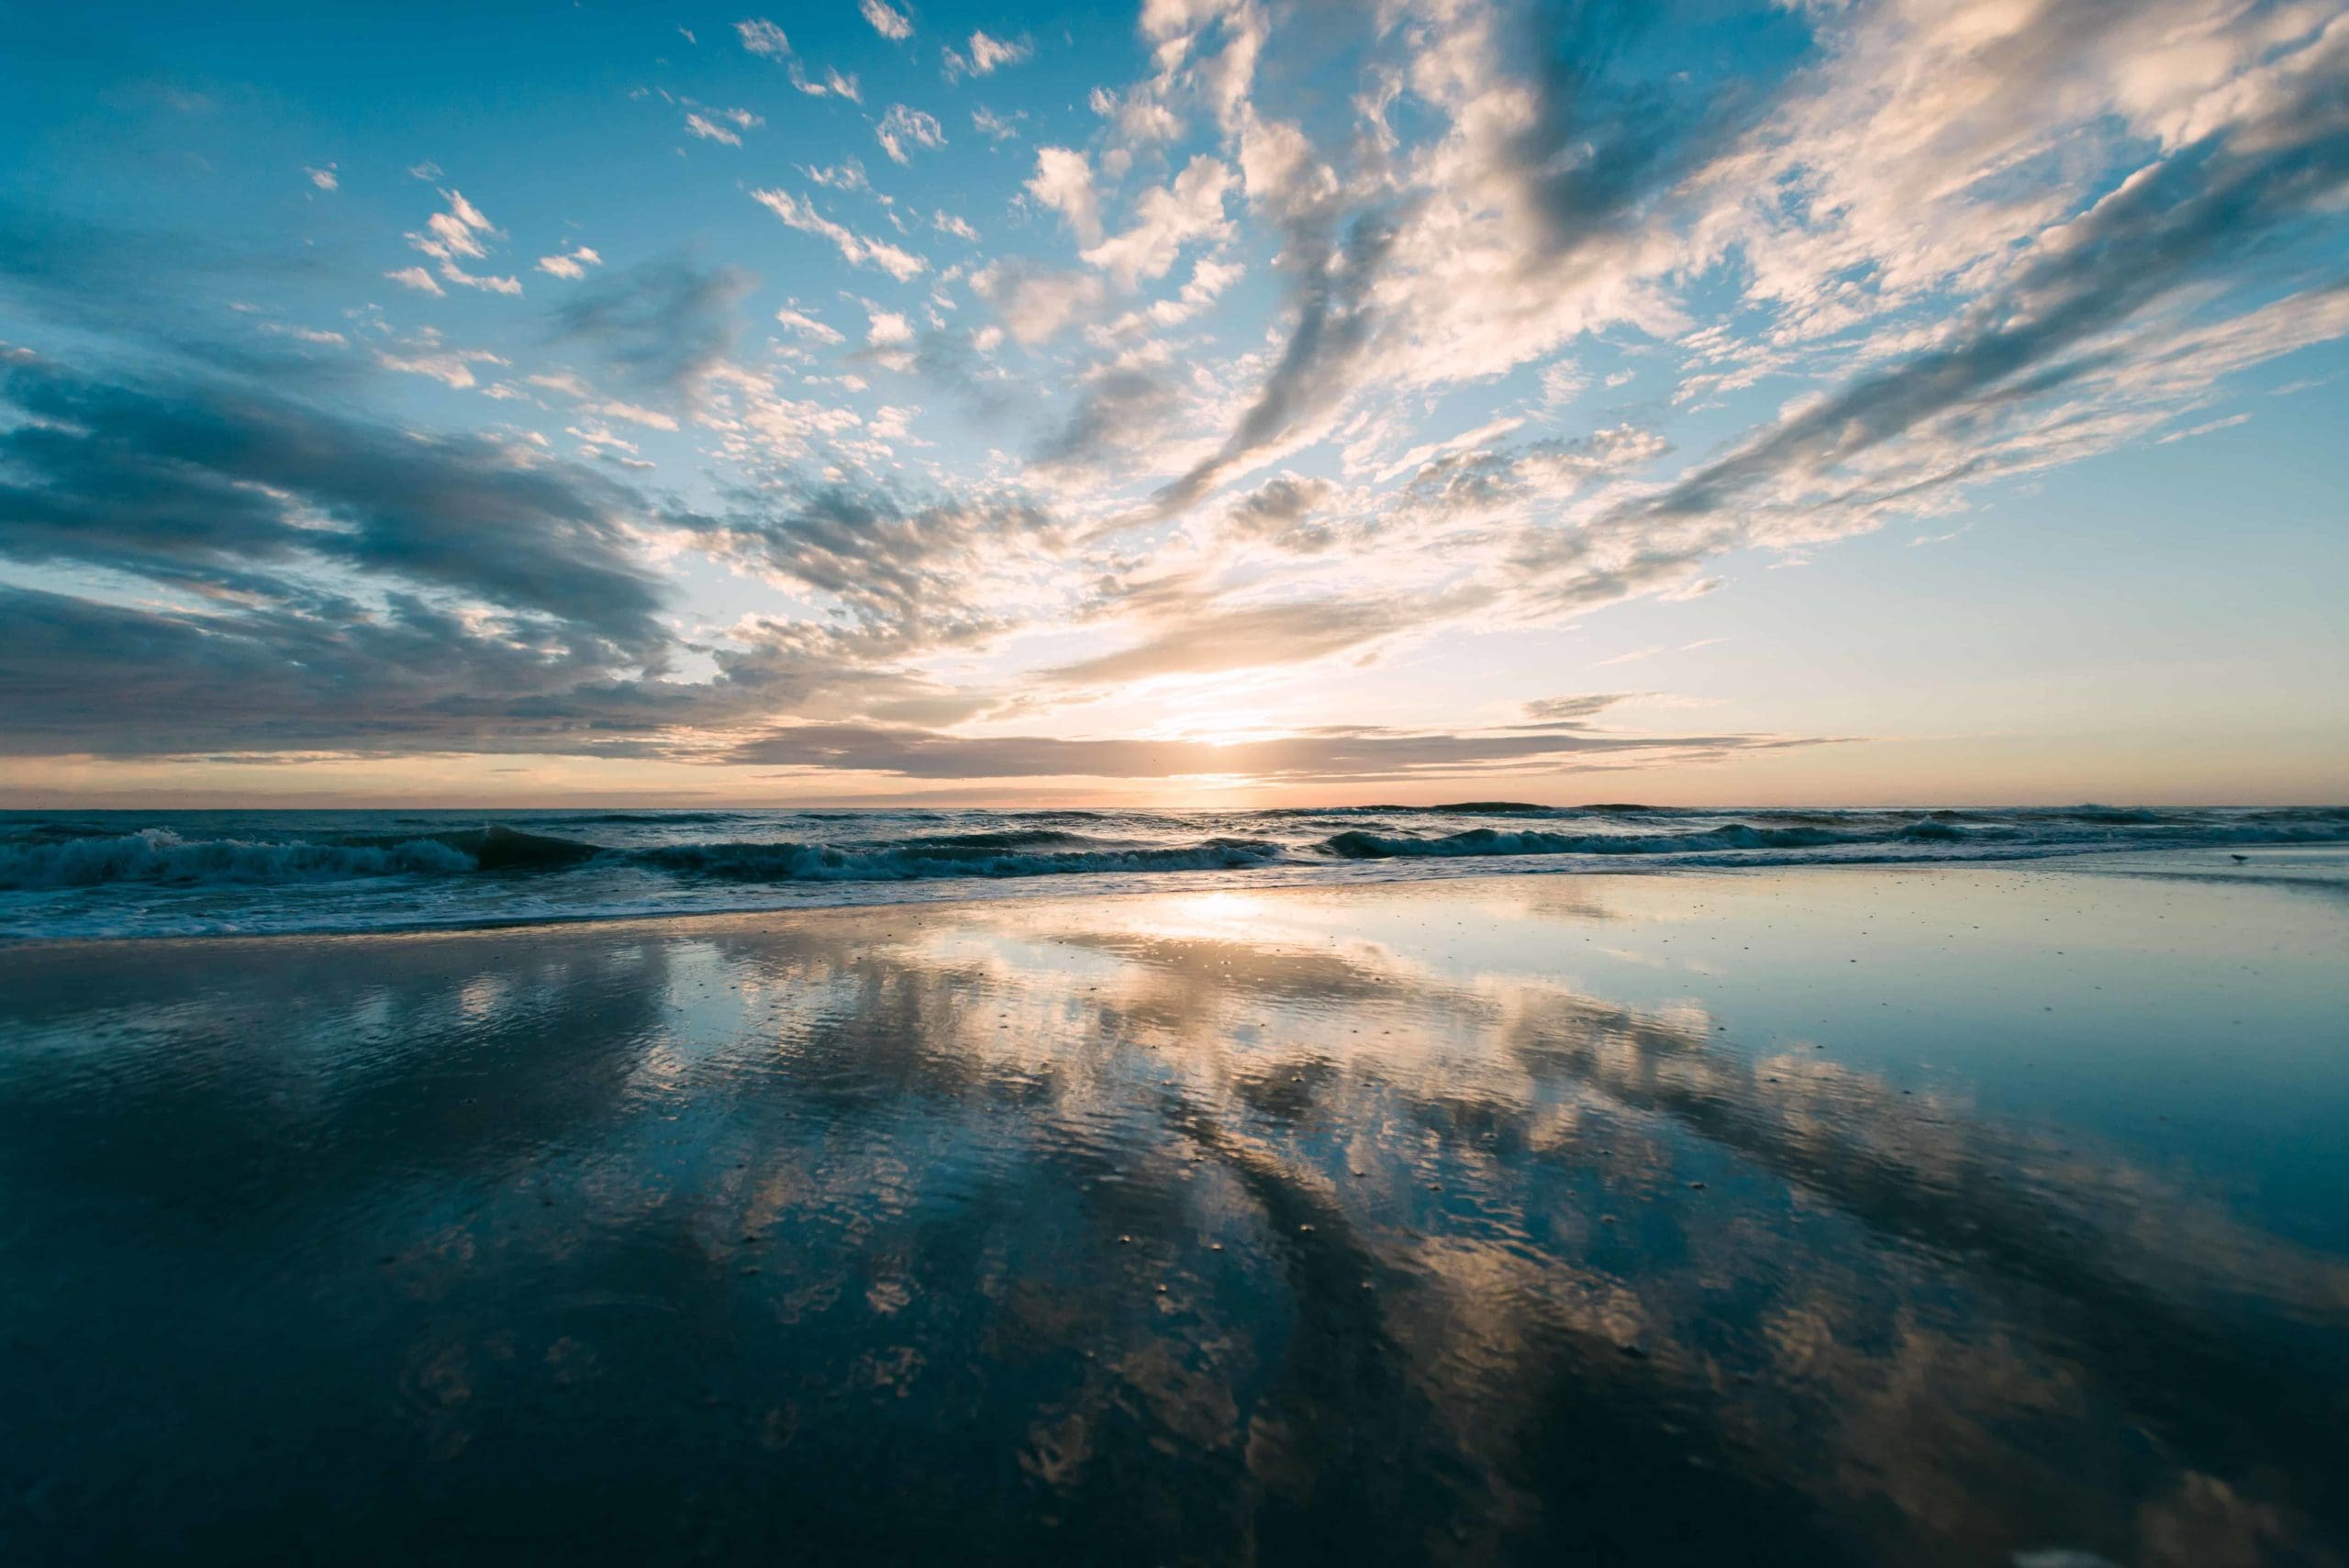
1225, 402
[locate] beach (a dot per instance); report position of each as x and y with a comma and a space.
1960, 1213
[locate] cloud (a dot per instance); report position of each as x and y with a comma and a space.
306, 335
200, 483
698, 125
985, 56
1275, 512
909, 573
886, 19
2206, 427
1120, 411
1036, 303
947, 223
664, 327
1209, 639
324, 179
1165, 221
855, 248
834, 84
902, 125
1833, 464
416, 278
1572, 710
1333, 315
461, 231
807, 326
764, 38
1063, 182
1138, 118
1485, 479
1337, 753
995, 126
452, 369
572, 263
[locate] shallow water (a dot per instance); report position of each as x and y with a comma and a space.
1811, 1217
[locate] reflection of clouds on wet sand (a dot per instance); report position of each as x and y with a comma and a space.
1190, 1227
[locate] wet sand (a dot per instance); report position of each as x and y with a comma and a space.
1921, 1217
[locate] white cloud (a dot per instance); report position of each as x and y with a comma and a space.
1139, 118
889, 329
834, 84
807, 326
848, 175
764, 38
486, 283
451, 369
652, 417
1165, 221
698, 125
460, 231
902, 125
1063, 182
307, 335
2210, 427
886, 19
572, 263
990, 123
416, 278
987, 54
1037, 305
1209, 278
324, 179
947, 223
855, 248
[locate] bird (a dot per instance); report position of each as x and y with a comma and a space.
2239, 859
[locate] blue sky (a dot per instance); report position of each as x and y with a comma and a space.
1224, 400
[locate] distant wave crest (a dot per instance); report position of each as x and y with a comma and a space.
162, 856
974, 854
622, 860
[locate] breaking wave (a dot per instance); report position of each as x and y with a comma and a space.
160, 855
1359, 845
976, 854
196, 872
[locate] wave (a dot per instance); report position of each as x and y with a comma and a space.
159, 855
922, 859
906, 845
655, 818
1363, 845
1935, 829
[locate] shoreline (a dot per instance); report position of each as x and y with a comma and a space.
1879, 1216
2326, 867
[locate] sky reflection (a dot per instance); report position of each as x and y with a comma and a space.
1507, 1219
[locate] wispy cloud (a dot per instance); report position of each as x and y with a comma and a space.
761, 37
985, 55
572, 263
855, 248
886, 19
457, 234
902, 127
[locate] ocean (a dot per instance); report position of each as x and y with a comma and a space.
175, 873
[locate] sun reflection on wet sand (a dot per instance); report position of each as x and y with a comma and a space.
1627, 1218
